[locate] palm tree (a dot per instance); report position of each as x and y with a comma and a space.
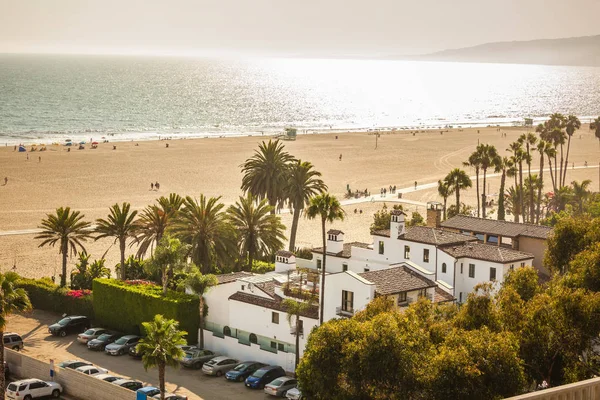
67, 229
557, 123
294, 310
444, 190
259, 232
506, 166
541, 148
457, 180
530, 141
474, 161
154, 221
487, 155
595, 126
518, 154
200, 284
329, 209
12, 300
171, 204
266, 173
572, 123
160, 347
561, 198
550, 152
302, 184
581, 192
513, 202
121, 225
170, 256
204, 225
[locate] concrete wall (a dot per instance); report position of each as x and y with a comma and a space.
584, 390
537, 247
75, 384
336, 283
217, 301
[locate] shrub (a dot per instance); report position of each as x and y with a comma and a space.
261, 267
124, 306
45, 295
304, 253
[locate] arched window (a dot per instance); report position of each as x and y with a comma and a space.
253, 338
227, 331
443, 268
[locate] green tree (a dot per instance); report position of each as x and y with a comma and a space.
205, 226
570, 237
517, 158
581, 193
506, 166
153, 222
530, 141
487, 155
595, 126
169, 257
572, 124
524, 281
85, 272
416, 219
68, 230
259, 232
294, 310
201, 284
266, 173
328, 209
541, 148
444, 190
120, 225
474, 162
458, 180
303, 183
160, 347
135, 268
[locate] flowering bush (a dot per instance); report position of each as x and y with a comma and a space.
79, 293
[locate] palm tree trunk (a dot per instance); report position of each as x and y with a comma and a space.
65, 252
531, 205
201, 321
521, 191
552, 175
2, 381
161, 379
165, 280
564, 179
297, 358
516, 206
561, 167
556, 177
501, 212
539, 199
122, 246
295, 219
322, 290
483, 197
478, 198
445, 202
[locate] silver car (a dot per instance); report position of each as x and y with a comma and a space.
122, 345
294, 394
196, 358
280, 386
90, 334
219, 365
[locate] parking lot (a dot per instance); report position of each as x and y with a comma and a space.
33, 327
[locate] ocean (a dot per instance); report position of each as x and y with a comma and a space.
52, 98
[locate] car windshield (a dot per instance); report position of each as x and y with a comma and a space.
89, 332
259, 373
276, 382
123, 340
104, 336
64, 321
241, 367
211, 362
12, 387
189, 354
64, 363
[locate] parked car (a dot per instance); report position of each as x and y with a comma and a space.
196, 358
149, 391
280, 386
103, 340
91, 370
107, 377
186, 347
90, 334
134, 353
219, 365
171, 396
6, 371
264, 375
128, 384
71, 324
73, 364
32, 389
13, 341
122, 345
294, 394
243, 370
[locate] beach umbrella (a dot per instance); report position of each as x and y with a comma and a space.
94, 142
82, 142
68, 140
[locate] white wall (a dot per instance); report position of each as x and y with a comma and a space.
336, 283
416, 254
447, 277
217, 301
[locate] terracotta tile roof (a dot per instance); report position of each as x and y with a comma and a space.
440, 237
334, 232
493, 227
397, 212
346, 252
267, 287
382, 232
486, 252
232, 277
396, 280
273, 304
441, 296
284, 253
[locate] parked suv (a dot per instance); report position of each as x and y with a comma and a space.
262, 376
32, 389
122, 345
71, 324
13, 341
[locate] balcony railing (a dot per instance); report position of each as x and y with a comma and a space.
344, 312
300, 294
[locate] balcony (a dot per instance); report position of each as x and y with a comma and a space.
340, 311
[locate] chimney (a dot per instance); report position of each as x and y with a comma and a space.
434, 214
397, 224
335, 241
284, 261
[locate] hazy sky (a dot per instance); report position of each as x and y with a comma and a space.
318, 27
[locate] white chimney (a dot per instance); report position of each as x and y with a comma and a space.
335, 241
397, 224
284, 261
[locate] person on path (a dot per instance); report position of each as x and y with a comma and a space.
151, 186
5, 180
27, 156
415, 185
40, 159
157, 185
340, 157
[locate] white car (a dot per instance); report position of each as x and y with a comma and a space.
32, 389
107, 377
91, 370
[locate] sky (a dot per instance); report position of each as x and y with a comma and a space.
284, 27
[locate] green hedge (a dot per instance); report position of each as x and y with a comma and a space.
45, 295
121, 306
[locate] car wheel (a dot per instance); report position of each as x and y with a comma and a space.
121, 352
16, 348
284, 393
63, 333
240, 379
198, 365
219, 373
56, 393
28, 397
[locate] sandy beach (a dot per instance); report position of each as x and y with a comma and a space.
91, 180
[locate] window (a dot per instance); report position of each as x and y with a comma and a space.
471, 270
460, 297
461, 268
426, 255
273, 345
422, 292
227, 331
253, 338
280, 347
344, 267
381, 247
512, 267
275, 317
402, 298
522, 264
407, 252
36, 385
319, 263
443, 268
367, 269
492, 274
347, 301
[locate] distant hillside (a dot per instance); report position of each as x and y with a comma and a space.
570, 51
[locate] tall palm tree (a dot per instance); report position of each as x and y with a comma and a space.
541, 148
572, 123
120, 225
557, 123
444, 190
259, 232
457, 180
513, 203
302, 184
12, 300
550, 152
170, 256
487, 155
506, 167
581, 192
67, 229
200, 284
171, 204
294, 310
474, 162
562, 197
266, 173
329, 209
160, 347
153, 221
204, 225
518, 154
595, 126
530, 141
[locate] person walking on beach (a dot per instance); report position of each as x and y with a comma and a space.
27, 156
151, 186
5, 180
340, 157
157, 185
415, 185
40, 159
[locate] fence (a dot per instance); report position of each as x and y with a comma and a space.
584, 390
75, 384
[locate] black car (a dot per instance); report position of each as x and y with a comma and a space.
101, 341
134, 353
70, 324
